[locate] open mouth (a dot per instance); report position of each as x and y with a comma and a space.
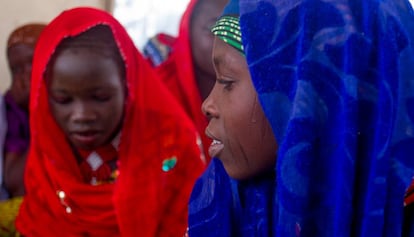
215, 148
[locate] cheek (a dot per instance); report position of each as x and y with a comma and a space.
266, 145
255, 143
27, 79
268, 151
202, 46
207, 49
241, 133
60, 115
114, 112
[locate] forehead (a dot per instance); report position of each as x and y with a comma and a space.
225, 55
81, 58
20, 50
98, 39
208, 10
82, 68
92, 52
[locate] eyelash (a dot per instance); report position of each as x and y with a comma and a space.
64, 101
228, 84
101, 98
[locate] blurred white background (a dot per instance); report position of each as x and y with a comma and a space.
145, 18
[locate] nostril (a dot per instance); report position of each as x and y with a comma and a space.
208, 115
209, 108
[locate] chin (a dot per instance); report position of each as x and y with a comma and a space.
87, 147
235, 173
238, 176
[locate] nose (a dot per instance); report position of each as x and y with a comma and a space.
28, 70
82, 113
26, 76
22, 74
209, 107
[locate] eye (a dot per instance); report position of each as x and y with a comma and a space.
227, 84
101, 97
61, 99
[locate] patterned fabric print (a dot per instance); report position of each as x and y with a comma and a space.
158, 48
227, 28
100, 166
211, 202
338, 89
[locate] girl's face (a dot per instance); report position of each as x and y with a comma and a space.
20, 58
243, 138
87, 97
203, 18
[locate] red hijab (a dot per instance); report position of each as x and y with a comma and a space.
144, 200
178, 74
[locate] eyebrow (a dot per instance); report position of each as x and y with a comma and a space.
224, 64
220, 60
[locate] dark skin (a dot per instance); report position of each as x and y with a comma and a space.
243, 138
20, 58
86, 97
204, 17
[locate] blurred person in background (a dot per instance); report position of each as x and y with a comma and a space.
20, 48
3, 130
184, 62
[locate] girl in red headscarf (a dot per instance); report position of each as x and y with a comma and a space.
112, 153
184, 63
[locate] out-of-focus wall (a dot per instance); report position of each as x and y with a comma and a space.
145, 18
14, 13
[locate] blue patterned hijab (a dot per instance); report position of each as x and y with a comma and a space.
336, 81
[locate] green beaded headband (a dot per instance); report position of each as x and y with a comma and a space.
227, 28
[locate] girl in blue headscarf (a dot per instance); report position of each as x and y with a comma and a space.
312, 117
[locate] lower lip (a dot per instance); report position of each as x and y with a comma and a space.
85, 139
215, 149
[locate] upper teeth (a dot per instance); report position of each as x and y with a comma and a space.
215, 142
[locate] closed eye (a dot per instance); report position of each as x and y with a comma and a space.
101, 98
61, 99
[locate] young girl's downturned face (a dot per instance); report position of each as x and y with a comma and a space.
87, 95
